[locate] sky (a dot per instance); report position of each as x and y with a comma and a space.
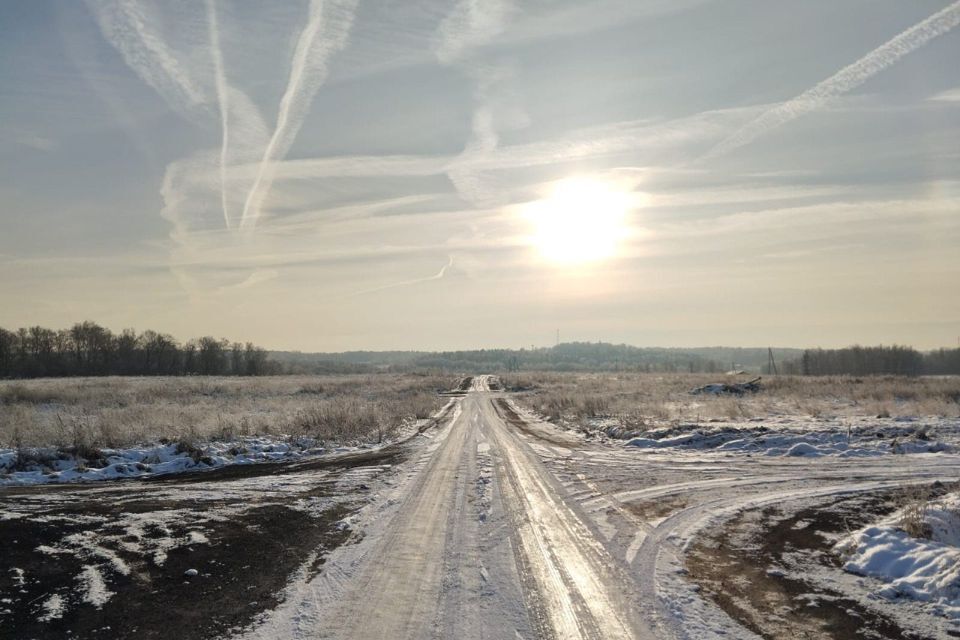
328, 175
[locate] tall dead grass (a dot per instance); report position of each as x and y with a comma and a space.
640, 398
118, 412
914, 503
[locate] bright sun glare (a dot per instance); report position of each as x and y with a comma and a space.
580, 220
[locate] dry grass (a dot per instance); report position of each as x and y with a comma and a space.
641, 399
914, 503
117, 412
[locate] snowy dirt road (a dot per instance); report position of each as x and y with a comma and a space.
477, 542
489, 524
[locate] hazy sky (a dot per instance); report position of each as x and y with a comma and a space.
343, 174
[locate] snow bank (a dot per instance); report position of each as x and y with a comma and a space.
49, 465
926, 570
802, 449
807, 438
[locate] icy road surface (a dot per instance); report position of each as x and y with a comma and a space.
488, 524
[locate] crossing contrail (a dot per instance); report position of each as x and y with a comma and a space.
324, 34
845, 80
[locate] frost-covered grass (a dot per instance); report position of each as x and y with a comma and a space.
913, 553
639, 401
117, 412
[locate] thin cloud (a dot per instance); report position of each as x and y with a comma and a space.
952, 95
847, 79
471, 23
257, 277
349, 167
484, 155
824, 218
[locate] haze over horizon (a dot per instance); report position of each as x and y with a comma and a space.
341, 175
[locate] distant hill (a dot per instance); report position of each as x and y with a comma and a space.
573, 356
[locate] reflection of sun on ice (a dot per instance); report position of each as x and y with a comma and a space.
580, 220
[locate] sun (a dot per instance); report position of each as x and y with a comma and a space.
580, 220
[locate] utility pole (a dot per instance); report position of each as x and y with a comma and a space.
558, 337
771, 363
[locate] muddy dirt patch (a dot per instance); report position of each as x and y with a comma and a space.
744, 566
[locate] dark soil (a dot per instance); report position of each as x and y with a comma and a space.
242, 569
660, 508
731, 567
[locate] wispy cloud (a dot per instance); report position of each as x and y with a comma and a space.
823, 219
257, 277
471, 23
325, 32
644, 138
847, 79
34, 141
951, 95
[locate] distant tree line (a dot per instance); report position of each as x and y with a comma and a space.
568, 356
87, 349
863, 361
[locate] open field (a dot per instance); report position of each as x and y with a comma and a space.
638, 399
489, 521
117, 412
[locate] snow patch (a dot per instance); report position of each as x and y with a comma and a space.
802, 449
792, 437
93, 587
44, 466
925, 570
53, 608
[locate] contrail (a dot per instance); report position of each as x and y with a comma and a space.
325, 33
125, 25
214, 30
846, 79
405, 283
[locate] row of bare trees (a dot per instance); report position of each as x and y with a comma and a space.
87, 349
862, 361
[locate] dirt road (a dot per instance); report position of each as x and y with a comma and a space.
484, 546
